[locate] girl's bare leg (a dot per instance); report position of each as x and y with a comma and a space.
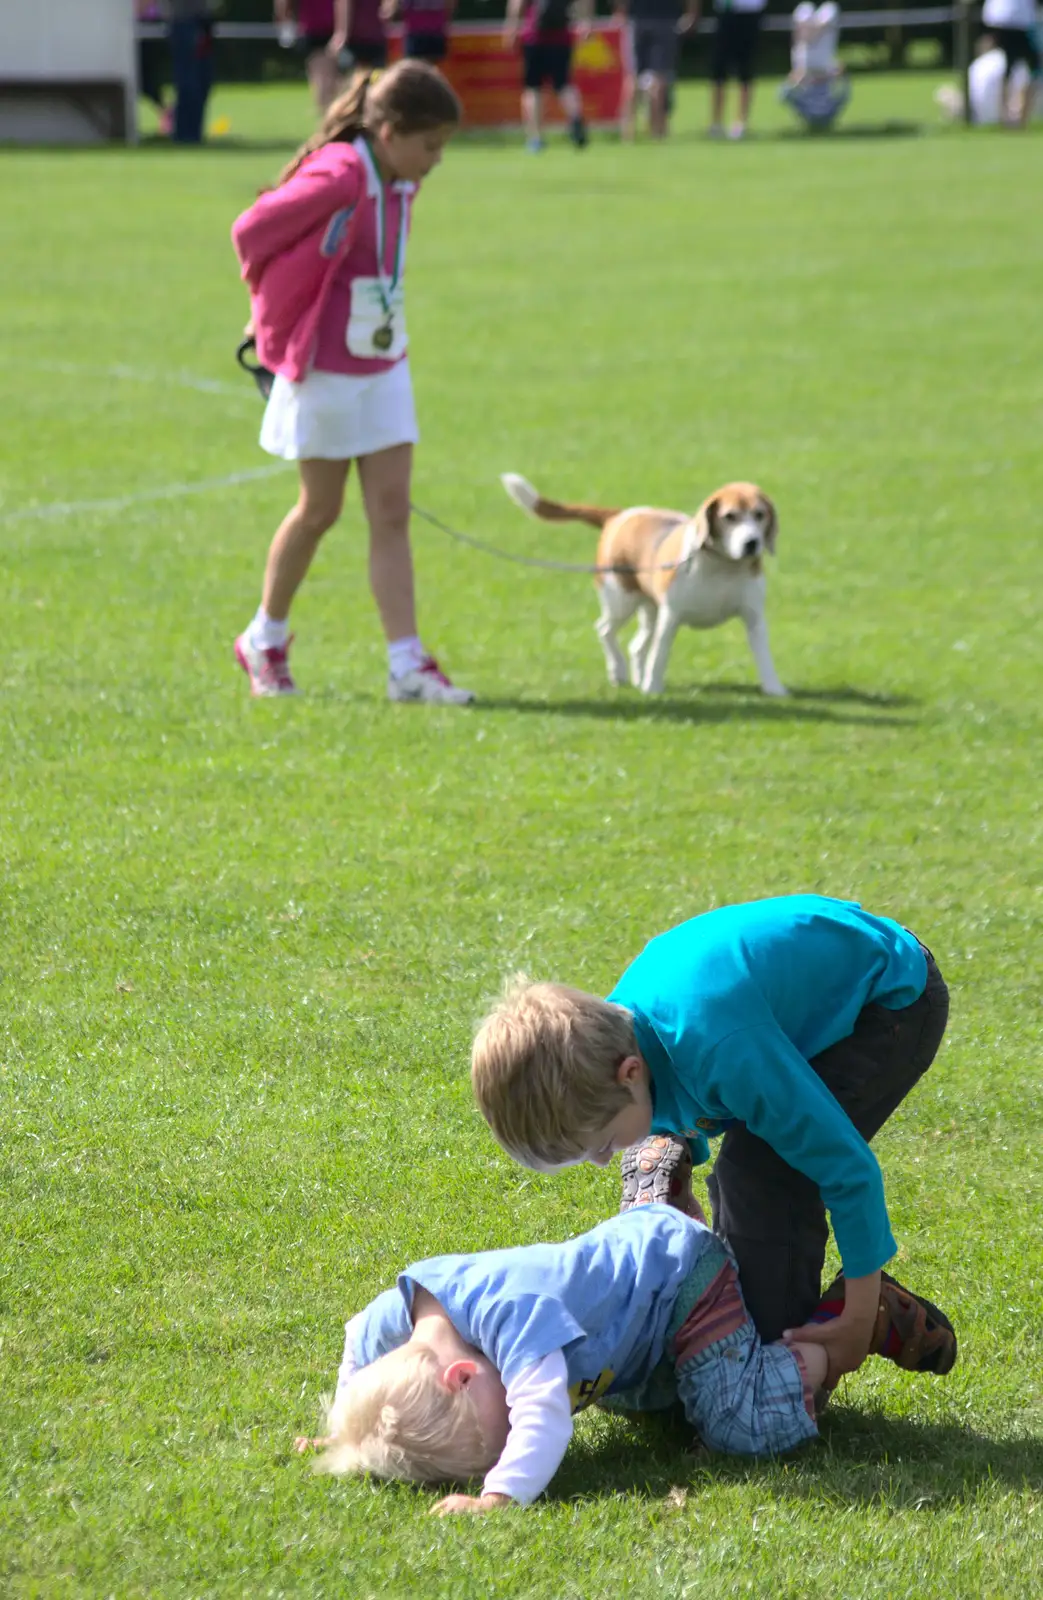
297, 539
385, 478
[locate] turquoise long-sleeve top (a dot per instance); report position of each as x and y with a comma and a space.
729, 1009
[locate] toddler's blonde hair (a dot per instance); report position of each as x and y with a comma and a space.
396, 1419
544, 1066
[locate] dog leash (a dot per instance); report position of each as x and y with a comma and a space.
264, 378
532, 561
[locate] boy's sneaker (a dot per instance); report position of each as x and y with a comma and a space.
910, 1331
658, 1171
268, 670
578, 132
429, 683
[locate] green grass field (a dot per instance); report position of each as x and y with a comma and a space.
244, 946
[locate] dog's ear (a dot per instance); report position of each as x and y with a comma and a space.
771, 527
706, 523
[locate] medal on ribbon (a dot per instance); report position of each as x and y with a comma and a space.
384, 336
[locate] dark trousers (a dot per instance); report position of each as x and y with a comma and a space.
152, 70
772, 1216
191, 58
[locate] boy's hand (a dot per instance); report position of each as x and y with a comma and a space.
469, 1502
846, 1339
846, 1348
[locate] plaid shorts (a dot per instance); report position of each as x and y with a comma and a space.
743, 1397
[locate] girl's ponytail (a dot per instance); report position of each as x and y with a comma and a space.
343, 121
412, 96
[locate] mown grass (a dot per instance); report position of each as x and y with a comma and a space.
244, 944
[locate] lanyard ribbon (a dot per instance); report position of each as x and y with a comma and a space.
386, 286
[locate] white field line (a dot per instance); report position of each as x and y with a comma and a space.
166, 491
182, 380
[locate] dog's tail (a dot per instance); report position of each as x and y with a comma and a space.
523, 494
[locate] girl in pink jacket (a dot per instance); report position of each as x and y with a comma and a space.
323, 255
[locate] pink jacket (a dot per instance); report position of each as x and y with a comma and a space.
294, 242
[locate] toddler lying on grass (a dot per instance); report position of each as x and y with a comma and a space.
474, 1365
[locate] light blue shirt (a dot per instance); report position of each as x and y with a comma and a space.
729, 1009
604, 1299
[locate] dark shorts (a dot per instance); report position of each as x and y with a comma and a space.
308, 44
546, 63
735, 45
369, 53
1017, 45
654, 47
425, 46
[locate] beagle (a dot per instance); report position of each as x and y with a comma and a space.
672, 569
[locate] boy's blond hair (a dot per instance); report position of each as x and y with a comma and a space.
396, 1419
544, 1066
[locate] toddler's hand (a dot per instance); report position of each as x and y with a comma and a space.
469, 1502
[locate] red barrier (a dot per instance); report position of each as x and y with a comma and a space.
487, 76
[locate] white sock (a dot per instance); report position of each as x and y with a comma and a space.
266, 633
405, 655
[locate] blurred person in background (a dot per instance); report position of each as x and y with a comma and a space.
425, 26
817, 88
734, 56
546, 36
654, 29
152, 64
363, 39
191, 35
1014, 27
317, 30
988, 84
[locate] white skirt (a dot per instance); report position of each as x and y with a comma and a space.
333, 416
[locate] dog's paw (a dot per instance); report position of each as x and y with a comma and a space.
778, 691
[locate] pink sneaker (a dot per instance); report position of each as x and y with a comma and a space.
429, 683
268, 670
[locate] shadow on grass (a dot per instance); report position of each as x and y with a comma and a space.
855, 130
154, 143
495, 140
863, 1459
723, 702
842, 693
892, 128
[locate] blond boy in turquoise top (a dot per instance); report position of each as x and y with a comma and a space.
791, 1028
